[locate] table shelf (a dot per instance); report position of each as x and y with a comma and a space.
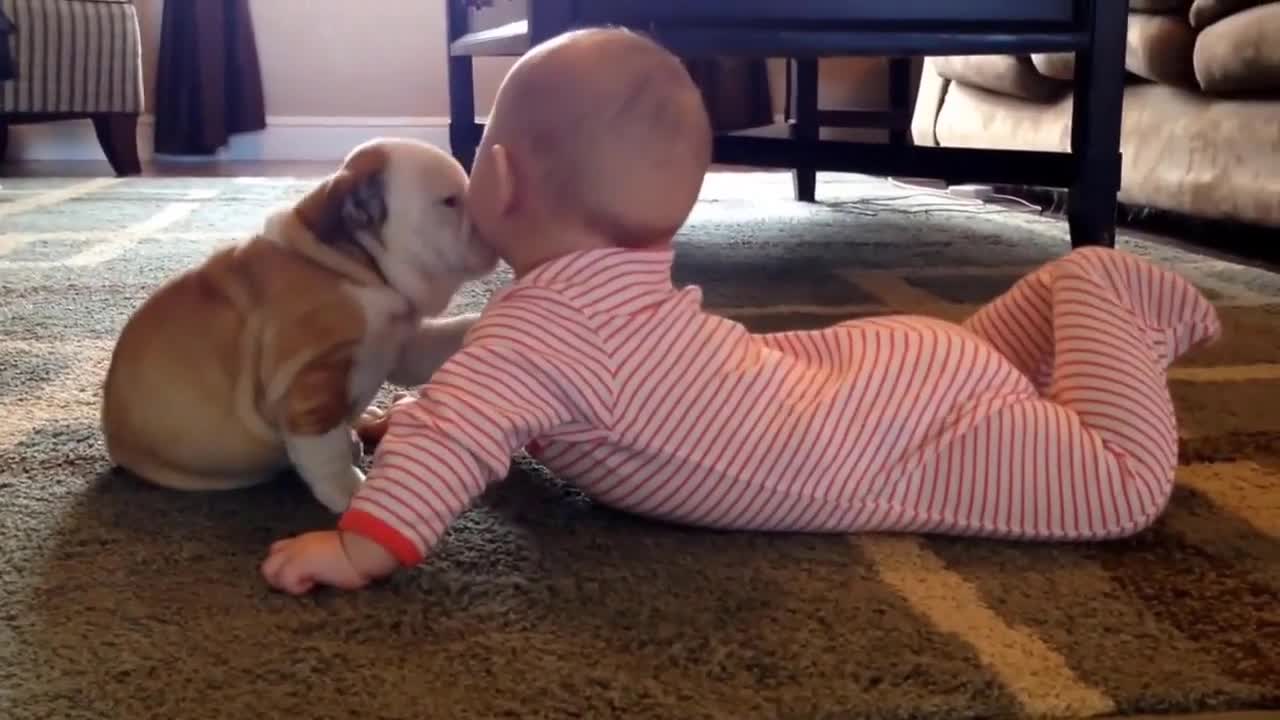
805, 30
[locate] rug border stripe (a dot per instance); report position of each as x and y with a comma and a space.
56, 196
1036, 674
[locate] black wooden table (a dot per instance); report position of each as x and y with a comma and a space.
805, 30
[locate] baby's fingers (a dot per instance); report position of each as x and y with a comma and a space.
295, 581
288, 574
279, 545
274, 562
284, 570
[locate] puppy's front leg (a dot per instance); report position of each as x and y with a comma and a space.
317, 432
324, 462
433, 343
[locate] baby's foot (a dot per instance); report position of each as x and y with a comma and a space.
1175, 314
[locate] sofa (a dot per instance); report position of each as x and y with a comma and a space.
75, 59
1201, 128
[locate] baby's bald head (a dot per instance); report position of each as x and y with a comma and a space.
607, 128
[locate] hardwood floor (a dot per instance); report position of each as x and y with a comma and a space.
194, 168
170, 168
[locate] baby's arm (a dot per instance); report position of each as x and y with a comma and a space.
524, 372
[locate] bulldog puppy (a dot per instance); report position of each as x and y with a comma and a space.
261, 357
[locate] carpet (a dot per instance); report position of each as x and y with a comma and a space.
119, 600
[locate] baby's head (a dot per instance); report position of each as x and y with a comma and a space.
597, 138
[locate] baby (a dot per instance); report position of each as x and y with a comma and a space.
1045, 416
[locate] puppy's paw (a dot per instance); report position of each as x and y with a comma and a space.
372, 424
336, 493
325, 464
357, 446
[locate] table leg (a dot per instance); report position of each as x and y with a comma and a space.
1095, 127
805, 125
464, 132
899, 98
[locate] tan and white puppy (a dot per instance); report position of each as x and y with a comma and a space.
261, 357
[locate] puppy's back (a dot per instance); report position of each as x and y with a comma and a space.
172, 404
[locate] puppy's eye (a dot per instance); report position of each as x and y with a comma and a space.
451, 201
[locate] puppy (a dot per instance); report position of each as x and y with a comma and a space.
261, 357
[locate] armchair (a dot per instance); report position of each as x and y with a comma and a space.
75, 59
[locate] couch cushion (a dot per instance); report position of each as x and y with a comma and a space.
1241, 53
1160, 6
1005, 74
1207, 12
929, 98
1181, 150
1157, 47
1057, 65
1160, 48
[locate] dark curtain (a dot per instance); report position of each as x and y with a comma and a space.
736, 91
208, 84
7, 69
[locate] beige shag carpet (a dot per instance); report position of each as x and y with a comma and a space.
123, 601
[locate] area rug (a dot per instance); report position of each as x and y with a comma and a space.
122, 601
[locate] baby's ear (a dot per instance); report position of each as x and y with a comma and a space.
503, 178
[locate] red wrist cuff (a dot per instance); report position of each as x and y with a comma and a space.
369, 526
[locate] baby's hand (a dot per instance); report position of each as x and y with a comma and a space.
343, 560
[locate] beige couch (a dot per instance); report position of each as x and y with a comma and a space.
1201, 130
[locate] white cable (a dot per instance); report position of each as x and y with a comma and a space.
1016, 199
960, 199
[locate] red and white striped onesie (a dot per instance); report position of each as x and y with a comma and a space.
1045, 416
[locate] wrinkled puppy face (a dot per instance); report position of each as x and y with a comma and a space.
397, 205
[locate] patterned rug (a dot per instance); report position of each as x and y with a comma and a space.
123, 601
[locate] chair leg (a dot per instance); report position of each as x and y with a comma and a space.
118, 135
4, 139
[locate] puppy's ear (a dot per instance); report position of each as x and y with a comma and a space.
364, 206
344, 204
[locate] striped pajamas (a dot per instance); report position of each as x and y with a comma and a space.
1044, 416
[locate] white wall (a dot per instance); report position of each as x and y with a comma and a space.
383, 58
338, 58
336, 70
333, 71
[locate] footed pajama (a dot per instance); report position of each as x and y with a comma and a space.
1045, 416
